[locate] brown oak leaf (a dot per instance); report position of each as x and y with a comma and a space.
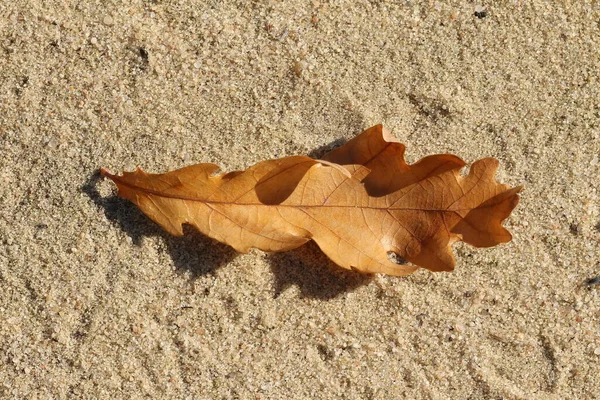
361, 204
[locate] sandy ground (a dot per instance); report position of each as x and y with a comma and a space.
96, 301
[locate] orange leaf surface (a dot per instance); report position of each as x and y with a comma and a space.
360, 204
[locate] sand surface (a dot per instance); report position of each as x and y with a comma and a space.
96, 301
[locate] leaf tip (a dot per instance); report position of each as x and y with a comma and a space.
386, 134
106, 173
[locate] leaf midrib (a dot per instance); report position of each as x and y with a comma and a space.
235, 203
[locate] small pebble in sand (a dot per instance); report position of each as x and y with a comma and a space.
597, 351
593, 281
480, 12
53, 143
299, 66
107, 20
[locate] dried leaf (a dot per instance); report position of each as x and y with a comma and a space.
360, 204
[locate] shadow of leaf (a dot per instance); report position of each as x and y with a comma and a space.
193, 252
315, 275
321, 151
306, 267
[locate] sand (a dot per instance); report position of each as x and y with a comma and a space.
96, 301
